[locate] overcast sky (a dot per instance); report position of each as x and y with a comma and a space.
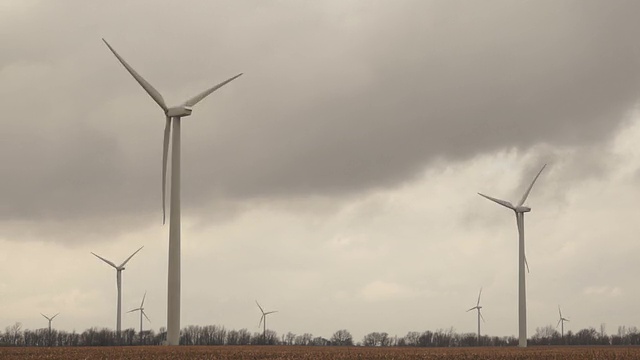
336, 180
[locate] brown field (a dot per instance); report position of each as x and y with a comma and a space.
309, 352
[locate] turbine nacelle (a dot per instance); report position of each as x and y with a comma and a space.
522, 209
179, 111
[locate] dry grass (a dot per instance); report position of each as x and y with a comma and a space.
329, 353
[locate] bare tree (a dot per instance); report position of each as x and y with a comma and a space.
244, 337
411, 339
376, 339
14, 335
320, 341
304, 339
290, 338
342, 338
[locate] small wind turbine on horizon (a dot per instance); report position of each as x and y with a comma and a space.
519, 211
50, 320
119, 270
561, 322
263, 321
173, 115
141, 309
478, 307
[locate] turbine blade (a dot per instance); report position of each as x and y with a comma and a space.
261, 310
155, 95
142, 303
271, 312
133, 310
526, 263
471, 308
481, 317
261, 318
145, 315
478, 304
105, 260
501, 202
45, 316
54, 316
524, 197
165, 153
559, 312
558, 324
196, 99
129, 258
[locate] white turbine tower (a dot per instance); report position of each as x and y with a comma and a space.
119, 285
50, 320
263, 321
561, 322
141, 309
478, 307
520, 210
172, 115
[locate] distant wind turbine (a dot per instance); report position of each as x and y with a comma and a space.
520, 210
119, 270
172, 114
478, 307
263, 321
50, 320
561, 322
141, 309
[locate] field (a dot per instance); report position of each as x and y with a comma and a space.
308, 352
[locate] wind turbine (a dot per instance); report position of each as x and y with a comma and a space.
520, 210
141, 309
50, 320
173, 116
263, 321
478, 307
118, 284
561, 322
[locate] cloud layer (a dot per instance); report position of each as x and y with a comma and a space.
337, 99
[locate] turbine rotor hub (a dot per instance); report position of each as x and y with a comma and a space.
179, 111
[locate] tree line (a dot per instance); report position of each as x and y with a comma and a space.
14, 335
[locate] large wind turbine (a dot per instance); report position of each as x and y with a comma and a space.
520, 210
50, 320
118, 284
561, 322
172, 115
263, 321
478, 307
141, 309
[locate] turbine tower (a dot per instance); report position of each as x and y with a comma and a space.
119, 285
263, 321
141, 309
519, 211
561, 322
478, 307
173, 115
50, 320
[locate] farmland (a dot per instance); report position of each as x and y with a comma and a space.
310, 352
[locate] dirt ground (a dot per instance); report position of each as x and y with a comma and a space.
310, 352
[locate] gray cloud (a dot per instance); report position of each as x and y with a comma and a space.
467, 79
337, 98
